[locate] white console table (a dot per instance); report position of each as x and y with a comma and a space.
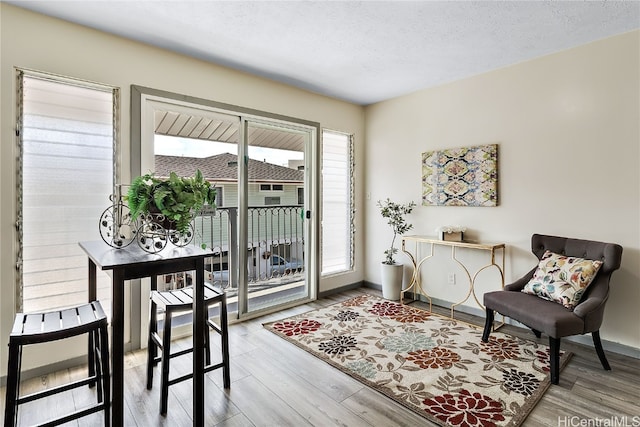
418, 241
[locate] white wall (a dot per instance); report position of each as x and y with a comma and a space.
567, 126
34, 41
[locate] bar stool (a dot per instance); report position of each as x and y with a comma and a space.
36, 328
172, 302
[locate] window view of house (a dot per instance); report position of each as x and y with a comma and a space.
275, 232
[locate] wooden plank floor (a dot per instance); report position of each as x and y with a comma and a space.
274, 383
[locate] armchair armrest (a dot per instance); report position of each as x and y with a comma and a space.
521, 282
597, 296
587, 306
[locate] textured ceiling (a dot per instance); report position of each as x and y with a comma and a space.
362, 52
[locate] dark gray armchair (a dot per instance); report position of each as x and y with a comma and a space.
549, 317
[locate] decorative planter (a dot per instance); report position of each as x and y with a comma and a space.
391, 278
159, 219
151, 230
455, 236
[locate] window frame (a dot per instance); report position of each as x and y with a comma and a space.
351, 208
20, 75
271, 188
272, 201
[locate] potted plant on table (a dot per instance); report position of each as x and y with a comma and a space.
392, 272
169, 204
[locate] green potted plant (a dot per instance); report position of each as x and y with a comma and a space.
392, 272
177, 198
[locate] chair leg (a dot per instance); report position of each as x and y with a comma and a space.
13, 382
226, 374
152, 349
537, 333
106, 374
166, 360
97, 346
598, 345
92, 360
488, 325
207, 339
554, 359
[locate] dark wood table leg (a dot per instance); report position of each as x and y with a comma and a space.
93, 282
117, 347
198, 345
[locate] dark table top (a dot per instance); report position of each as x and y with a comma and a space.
108, 258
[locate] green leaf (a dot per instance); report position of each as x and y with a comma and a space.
177, 198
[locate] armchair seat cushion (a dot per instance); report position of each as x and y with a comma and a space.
550, 318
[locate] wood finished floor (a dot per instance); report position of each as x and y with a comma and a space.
274, 383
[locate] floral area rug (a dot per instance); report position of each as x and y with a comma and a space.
434, 365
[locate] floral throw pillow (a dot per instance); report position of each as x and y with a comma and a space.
562, 279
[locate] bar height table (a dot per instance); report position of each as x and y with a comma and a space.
132, 262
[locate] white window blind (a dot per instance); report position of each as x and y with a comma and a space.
66, 168
337, 203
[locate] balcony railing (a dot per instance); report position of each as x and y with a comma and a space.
275, 245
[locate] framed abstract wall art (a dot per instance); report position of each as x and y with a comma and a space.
466, 176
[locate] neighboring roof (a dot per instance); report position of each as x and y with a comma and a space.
224, 167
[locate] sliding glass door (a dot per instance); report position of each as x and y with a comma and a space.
261, 230
275, 185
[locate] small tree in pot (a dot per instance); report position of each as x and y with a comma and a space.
392, 272
395, 213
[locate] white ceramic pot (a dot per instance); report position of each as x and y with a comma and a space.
391, 278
